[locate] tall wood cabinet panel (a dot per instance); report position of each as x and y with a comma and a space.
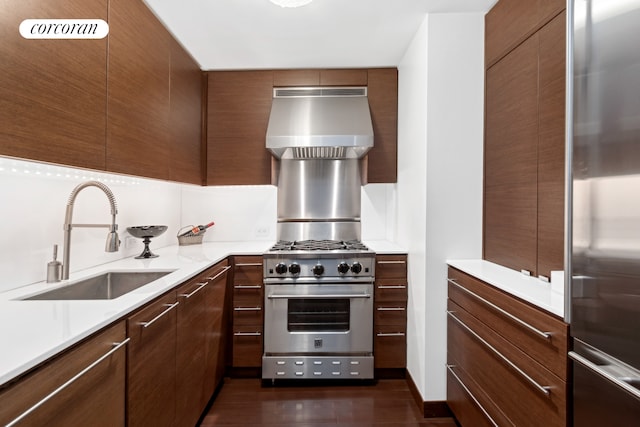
238, 107
551, 147
96, 397
52, 92
511, 158
511, 21
138, 91
382, 160
525, 138
185, 117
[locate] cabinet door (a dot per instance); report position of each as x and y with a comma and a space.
238, 107
52, 92
217, 326
185, 120
382, 160
511, 158
191, 350
551, 147
287, 78
151, 364
511, 21
95, 395
138, 91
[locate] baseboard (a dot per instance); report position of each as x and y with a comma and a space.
430, 409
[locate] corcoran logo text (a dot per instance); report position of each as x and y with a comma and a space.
64, 29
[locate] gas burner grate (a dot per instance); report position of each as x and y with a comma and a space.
319, 245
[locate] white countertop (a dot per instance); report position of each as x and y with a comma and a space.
33, 331
545, 295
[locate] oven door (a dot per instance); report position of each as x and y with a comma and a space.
318, 318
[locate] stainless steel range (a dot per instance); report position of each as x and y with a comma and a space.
318, 310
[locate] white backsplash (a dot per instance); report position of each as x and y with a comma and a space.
34, 197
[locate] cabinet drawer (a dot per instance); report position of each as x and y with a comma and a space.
390, 346
391, 314
504, 373
391, 267
247, 315
391, 290
247, 346
519, 323
467, 407
247, 271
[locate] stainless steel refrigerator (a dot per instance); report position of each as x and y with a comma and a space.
604, 248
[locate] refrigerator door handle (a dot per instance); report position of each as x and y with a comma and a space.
622, 382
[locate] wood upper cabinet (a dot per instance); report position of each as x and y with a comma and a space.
511, 21
524, 150
138, 101
320, 77
382, 160
511, 158
52, 92
96, 397
238, 107
151, 364
185, 117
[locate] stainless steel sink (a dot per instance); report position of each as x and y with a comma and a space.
105, 286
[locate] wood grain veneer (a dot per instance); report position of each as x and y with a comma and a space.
511, 159
239, 103
138, 91
185, 139
382, 160
151, 365
247, 350
97, 398
53, 92
551, 147
510, 22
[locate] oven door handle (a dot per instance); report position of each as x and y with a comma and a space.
316, 296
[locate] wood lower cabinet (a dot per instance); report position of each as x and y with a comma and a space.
151, 364
199, 344
390, 312
83, 386
248, 315
53, 92
506, 360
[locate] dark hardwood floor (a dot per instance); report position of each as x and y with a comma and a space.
387, 403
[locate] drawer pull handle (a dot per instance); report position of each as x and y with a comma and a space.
247, 287
604, 374
390, 334
545, 335
534, 383
247, 334
392, 262
48, 397
195, 291
249, 264
247, 308
392, 287
390, 308
484, 411
152, 321
220, 273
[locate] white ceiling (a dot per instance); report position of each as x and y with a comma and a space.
256, 34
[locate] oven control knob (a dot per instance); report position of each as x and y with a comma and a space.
281, 268
318, 269
343, 268
294, 268
356, 267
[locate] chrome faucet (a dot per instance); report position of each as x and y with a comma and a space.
113, 242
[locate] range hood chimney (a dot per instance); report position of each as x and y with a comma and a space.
320, 123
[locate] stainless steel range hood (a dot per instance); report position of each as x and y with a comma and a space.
320, 123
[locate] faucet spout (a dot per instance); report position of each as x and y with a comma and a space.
113, 241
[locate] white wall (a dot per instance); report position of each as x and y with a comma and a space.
34, 195
439, 214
